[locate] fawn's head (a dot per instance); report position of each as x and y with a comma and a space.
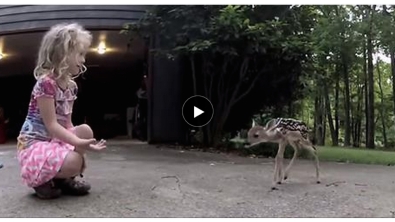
257, 134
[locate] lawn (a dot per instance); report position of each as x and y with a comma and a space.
356, 155
336, 154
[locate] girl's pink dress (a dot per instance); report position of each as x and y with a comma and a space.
39, 154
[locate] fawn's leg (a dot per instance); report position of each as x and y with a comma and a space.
295, 146
278, 171
308, 145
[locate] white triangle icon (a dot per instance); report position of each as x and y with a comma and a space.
197, 112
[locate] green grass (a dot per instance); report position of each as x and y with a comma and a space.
356, 155
327, 153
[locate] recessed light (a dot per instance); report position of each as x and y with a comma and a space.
102, 48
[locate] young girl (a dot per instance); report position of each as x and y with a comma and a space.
50, 149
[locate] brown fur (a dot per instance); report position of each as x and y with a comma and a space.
283, 132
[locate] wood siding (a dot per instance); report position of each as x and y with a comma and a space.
26, 18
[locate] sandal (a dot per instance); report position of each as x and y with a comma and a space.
72, 187
47, 191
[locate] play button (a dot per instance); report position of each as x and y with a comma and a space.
197, 111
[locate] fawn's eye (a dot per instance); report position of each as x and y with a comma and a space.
256, 135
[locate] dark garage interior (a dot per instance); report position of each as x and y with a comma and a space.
106, 90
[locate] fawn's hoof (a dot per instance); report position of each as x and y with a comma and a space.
318, 182
274, 188
286, 177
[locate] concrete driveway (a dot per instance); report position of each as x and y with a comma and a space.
131, 179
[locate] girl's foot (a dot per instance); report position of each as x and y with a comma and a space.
47, 191
72, 187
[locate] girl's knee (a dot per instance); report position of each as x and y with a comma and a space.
71, 165
84, 131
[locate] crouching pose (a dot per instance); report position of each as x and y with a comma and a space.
51, 151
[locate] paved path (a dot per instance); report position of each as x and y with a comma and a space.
137, 180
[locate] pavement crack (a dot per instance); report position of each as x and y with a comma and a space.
130, 209
335, 183
178, 182
166, 177
175, 177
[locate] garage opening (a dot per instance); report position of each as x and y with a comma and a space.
107, 91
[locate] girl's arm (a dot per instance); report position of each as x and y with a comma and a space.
74, 87
46, 106
69, 120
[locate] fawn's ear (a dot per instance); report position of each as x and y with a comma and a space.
272, 123
253, 123
269, 123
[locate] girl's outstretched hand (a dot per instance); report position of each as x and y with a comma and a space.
92, 144
85, 142
98, 146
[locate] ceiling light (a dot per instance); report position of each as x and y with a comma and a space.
102, 48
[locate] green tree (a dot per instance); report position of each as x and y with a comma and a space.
234, 52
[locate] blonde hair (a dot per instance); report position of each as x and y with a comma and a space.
57, 45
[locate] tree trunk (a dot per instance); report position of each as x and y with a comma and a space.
319, 118
329, 115
228, 96
194, 83
393, 75
290, 109
358, 118
315, 137
347, 125
358, 113
337, 89
382, 110
323, 121
392, 56
371, 125
365, 79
